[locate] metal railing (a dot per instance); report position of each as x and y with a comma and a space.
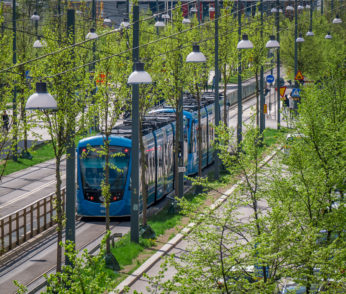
26, 223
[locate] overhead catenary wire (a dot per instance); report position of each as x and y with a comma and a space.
150, 43
102, 35
80, 43
119, 53
140, 46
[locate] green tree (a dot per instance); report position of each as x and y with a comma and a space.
108, 105
315, 54
310, 196
227, 248
257, 57
61, 124
173, 79
228, 52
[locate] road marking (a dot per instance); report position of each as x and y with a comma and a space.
30, 193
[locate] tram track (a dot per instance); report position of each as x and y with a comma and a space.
41, 254
38, 283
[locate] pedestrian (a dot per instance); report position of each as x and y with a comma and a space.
5, 120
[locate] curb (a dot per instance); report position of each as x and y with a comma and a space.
147, 265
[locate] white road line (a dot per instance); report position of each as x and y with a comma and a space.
30, 193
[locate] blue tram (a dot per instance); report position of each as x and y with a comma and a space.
158, 131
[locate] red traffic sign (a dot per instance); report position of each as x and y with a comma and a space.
299, 76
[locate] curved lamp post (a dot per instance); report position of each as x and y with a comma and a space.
310, 32
137, 77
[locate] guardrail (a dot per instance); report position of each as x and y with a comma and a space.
28, 222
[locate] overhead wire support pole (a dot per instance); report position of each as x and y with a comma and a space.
36, 21
278, 63
71, 156
217, 76
295, 39
14, 99
92, 67
322, 7
240, 108
135, 135
310, 27
181, 146
261, 112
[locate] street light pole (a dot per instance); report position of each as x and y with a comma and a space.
217, 75
261, 120
322, 7
71, 157
295, 38
14, 100
36, 21
181, 146
278, 63
240, 110
135, 135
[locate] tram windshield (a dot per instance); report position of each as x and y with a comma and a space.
92, 163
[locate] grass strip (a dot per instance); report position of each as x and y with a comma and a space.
40, 153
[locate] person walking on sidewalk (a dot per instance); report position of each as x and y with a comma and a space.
5, 121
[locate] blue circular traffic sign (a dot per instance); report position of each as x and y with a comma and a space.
270, 79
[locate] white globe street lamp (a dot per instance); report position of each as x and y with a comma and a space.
196, 56
272, 43
300, 39
41, 100
139, 75
245, 43
35, 17
328, 36
92, 35
337, 20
